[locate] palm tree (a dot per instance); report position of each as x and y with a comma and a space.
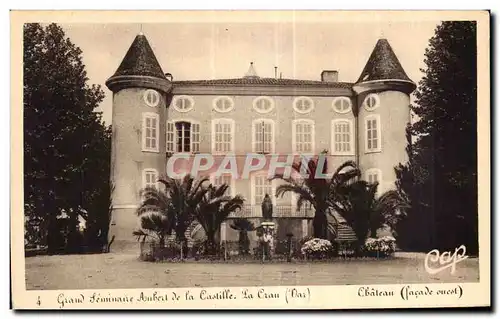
157, 214
358, 204
175, 206
213, 208
156, 226
184, 196
316, 190
243, 226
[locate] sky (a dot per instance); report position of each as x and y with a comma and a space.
210, 50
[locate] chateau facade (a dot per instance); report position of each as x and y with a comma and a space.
155, 117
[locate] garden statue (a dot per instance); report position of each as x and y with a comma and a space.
267, 208
267, 229
267, 240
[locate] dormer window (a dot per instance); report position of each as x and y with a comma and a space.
183, 103
223, 104
303, 105
342, 104
263, 104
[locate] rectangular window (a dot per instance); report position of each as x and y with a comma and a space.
150, 178
150, 129
183, 133
342, 140
262, 186
263, 138
223, 136
373, 142
303, 136
183, 137
223, 179
373, 175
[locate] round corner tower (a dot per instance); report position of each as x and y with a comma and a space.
140, 90
383, 102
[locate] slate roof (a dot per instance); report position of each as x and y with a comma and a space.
265, 81
140, 60
383, 64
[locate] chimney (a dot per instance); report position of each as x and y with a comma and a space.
275, 72
330, 76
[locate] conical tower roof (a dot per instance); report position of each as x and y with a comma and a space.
251, 73
383, 65
140, 60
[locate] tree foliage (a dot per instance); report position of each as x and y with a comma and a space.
318, 191
440, 179
213, 209
365, 212
66, 144
182, 202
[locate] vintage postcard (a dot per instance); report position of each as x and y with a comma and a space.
250, 160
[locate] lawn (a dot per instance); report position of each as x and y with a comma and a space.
115, 271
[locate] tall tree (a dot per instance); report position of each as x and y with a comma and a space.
66, 143
441, 176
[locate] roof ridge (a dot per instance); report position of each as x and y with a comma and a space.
261, 79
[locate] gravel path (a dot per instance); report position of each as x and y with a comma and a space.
120, 271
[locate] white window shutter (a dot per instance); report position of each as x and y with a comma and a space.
195, 137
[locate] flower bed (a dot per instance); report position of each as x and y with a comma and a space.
317, 248
380, 247
306, 249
